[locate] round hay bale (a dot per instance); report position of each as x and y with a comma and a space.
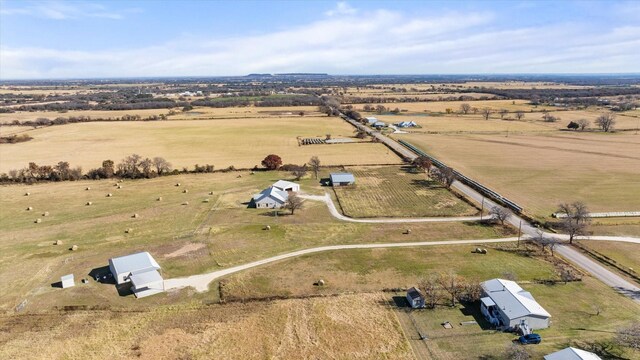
177, 184
74, 248
89, 203
109, 195
185, 191
85, 280
38, 221
46, 213
135, 216
239, 176
27, 194
87, 188
268, 227
29, 208
320, 282
119, 186
210, 192
58, 242
185, 203
159, 198
128, 231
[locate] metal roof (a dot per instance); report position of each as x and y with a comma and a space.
66, 277
143, 279
342, 178
514, 301
138, 262
284, 184
414, 293
572, 353
273, 193
487, 301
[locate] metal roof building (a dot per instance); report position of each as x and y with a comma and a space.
284, 185
270, 198
341, 179
141, 270
572, 353
505, 304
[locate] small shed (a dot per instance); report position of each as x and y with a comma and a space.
572, 353
287, 186
342, 179
270, 198
415, 298
371, 120
67, 281
379, 125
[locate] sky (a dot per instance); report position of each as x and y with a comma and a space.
118, 38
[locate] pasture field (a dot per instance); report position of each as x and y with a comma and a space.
442, 106
6, 118
541, 171
203, 113
616, 226
343, 327
574, 322
573, 319
241, 143
184, 239
626, 255
398, 192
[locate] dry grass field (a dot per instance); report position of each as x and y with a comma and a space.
626, 255
185, 239
540, 171
94, 114
344, 327
442, 106
241, 143
398, 192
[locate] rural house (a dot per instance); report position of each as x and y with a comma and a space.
415, 298
342, 179
371, 120
506, 305
270, 198
287, 186
141, 270
572, 353
406, 124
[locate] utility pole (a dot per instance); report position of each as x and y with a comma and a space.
519, 232
482, 210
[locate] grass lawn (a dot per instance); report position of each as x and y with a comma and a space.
242, 143
574, 322
540, 171
393, 191
627, 255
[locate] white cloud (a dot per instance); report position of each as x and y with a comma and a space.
381, 41
58, 10
342, 8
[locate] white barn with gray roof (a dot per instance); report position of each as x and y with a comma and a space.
342, 179
270, 198
141, 270
288, 186
506, 305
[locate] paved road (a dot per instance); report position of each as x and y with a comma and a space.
336, 214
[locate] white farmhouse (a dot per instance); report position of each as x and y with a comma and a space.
270, 198
506, 305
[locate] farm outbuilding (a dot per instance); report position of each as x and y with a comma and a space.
287, 186
270, 198
342, 179
379, 125
415, 298
67, 281
406, 124
572, 353
141, 270
506, 305
371, 120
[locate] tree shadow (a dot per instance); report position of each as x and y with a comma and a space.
431, 184
473, 309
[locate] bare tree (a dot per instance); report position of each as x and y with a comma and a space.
517, 352
475, 110
429, 287
576, 221
583, 123
444, 175
629, 336
452, 284
361, 133
503, 112
146, 165
606, 121
299, 172
486, 112
465, 108
519, 114
472, 291
314, 162
293, 203
547, 117
500, 213
162, 165
423, 163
